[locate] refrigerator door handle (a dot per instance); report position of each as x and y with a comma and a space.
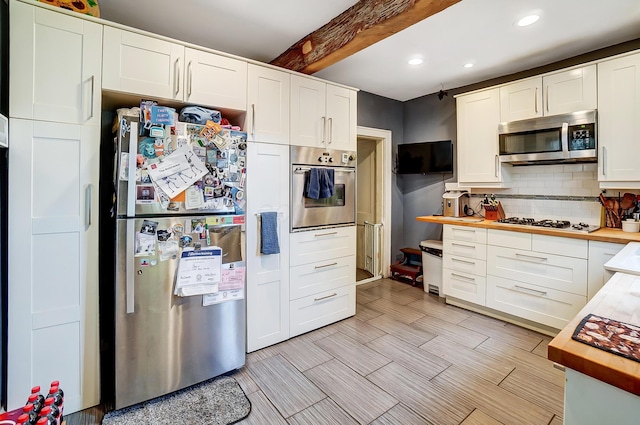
130, 265
131, 175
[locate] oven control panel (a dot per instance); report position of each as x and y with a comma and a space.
317, 156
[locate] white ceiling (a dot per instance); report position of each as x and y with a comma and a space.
481, 32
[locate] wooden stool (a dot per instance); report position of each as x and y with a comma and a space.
409, 267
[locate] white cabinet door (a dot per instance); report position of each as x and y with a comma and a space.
618, 115
308, 112
478, 118
341, 118
570, 91
599, 254
138, 64
53, 261
464, 286
214, 80
267, 275
267, 105
521, 100
55, 66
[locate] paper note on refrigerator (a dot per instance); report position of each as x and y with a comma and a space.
177, 172
199, 271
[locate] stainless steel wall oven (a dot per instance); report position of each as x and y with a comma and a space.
339, 209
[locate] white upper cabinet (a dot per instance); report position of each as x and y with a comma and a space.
563, 92
55, 66
478, 116
322, 115
267, 118
148, 66
215, 80
135, 63
618, 115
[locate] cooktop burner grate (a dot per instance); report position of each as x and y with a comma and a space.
551, 224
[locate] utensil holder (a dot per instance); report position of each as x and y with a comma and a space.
493, 212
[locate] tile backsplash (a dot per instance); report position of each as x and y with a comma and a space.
556, 192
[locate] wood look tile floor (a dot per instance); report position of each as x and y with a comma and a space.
405, 358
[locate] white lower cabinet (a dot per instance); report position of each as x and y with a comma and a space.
322, 278
533, 302
267, 275
52, 330
536, 284
464, 265
321, 309
599, 254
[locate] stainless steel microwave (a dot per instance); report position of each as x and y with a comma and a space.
547, 140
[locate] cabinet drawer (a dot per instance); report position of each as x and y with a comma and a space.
313, 278
320, 245
318, 310
568, 247
465, 234
546, 270
509, 239
464, 286
465, 249
542, 305
464, 264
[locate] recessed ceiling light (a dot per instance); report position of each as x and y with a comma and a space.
415, 61
468, 65
527, 20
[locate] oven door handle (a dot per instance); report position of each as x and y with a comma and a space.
302, 170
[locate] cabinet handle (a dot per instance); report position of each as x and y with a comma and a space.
87, 206
472, 279
190, 79
131, 178
324, 298
176, 78
531, 256
253, 121
464, 230
547, 98
463, 261
604, 160
326, 265
462, 245
330, 130
317, 235
93, 78
496, 166
535, 291
324, 125
536, 100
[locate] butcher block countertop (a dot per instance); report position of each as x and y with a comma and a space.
602, 235
619, 299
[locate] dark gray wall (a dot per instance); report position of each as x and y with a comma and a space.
426, 119
384, 113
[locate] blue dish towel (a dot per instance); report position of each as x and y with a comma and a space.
327, 183
269, 233
320, 183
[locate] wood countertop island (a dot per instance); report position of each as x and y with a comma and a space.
601, 387
602, 235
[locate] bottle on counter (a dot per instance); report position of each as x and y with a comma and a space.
40, 398
29, 410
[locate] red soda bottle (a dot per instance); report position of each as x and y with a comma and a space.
55, 411
28, 410
40, 402
23, 419
45, 413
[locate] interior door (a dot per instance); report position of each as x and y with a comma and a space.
366, 194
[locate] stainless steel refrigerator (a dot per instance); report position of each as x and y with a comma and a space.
165, 342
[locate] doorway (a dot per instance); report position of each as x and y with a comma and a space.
373, 205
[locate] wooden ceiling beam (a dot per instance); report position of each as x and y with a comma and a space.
363, 24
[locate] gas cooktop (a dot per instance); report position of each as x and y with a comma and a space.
551, 224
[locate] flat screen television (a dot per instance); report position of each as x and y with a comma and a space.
425, 157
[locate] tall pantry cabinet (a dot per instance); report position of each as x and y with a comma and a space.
54, 125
